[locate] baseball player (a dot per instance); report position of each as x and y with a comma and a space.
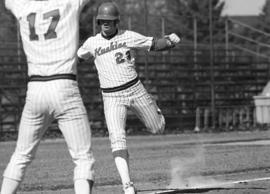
49, 32
121, 88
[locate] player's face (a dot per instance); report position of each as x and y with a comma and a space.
108, 27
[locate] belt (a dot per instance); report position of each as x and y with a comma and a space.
122, 87
52, 77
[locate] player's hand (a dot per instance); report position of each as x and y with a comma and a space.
174, 38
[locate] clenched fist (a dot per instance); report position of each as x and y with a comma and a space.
173, 38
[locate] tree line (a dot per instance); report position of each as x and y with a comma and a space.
180, 14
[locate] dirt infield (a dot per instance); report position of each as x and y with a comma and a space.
196, 163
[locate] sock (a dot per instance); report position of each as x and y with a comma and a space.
9, 186
121, 159
83, 186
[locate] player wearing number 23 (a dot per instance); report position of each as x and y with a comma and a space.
113, 53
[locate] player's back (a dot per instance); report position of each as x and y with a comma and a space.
49, 32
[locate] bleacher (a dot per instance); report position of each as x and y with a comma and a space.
180, 81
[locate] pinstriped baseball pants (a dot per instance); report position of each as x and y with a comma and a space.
45, 102
137, 99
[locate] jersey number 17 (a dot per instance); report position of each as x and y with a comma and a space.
50, 34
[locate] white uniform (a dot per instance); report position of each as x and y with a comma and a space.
49, 31
120, 86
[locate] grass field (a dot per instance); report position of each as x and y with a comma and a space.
159, 162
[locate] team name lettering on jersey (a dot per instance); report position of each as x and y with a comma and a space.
113, 46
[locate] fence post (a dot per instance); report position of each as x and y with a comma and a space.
195, 39
198, 120
234, 118
129, 22
1, 121
94, 25
247, 116
18, 43
241, 116
162, 35
268, 76
227, 40
162, 26
220, 118
212, 85
206, 118
254, 117
146, 53
227, 121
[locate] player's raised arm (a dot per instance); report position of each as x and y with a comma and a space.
141, 42
165, 43
11, 6
83, 2
7, 4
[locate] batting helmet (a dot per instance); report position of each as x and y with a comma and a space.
108, 11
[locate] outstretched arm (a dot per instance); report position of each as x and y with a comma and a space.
165, 43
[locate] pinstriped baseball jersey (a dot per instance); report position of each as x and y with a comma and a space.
49, 48
115, 64
114, 58
49, 30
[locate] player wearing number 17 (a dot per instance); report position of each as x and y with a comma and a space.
49, 30
121, 88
